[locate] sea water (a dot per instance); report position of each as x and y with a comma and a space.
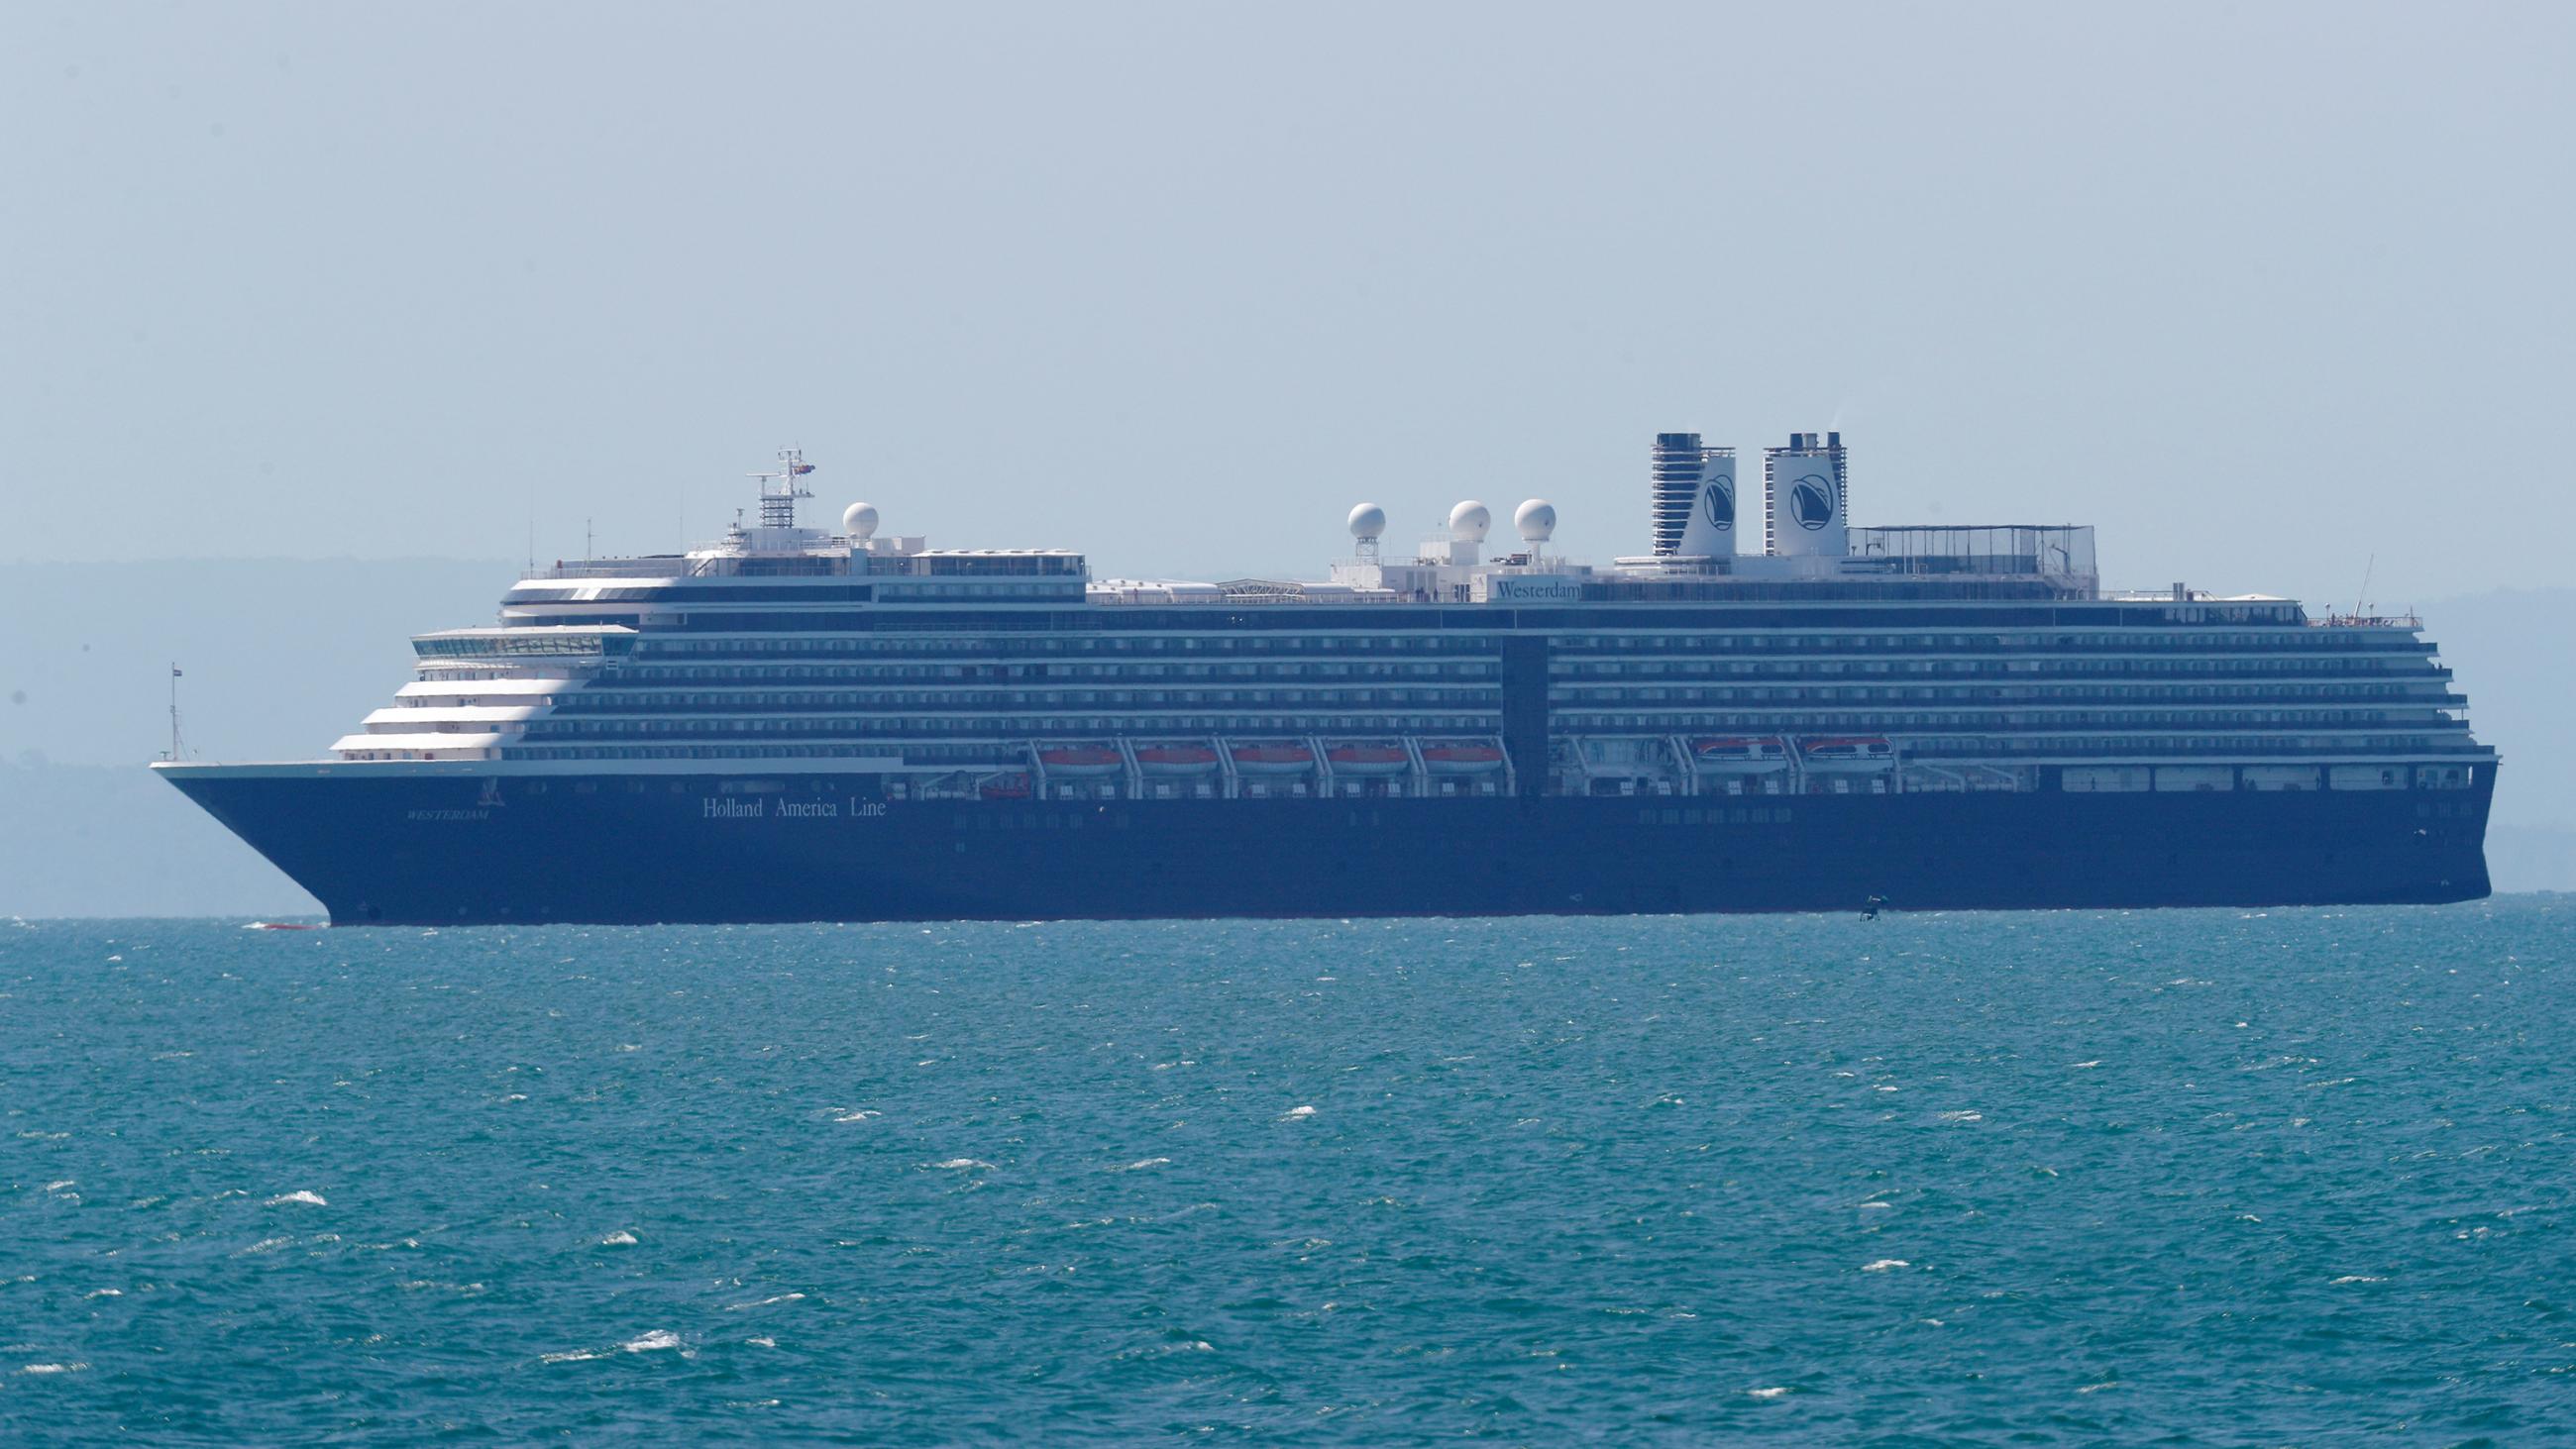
2212, 1177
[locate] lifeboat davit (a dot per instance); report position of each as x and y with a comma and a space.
1175, 759
1368, 759
1740, 753
1856, 752
1275, 759
1461, 759
1077, 761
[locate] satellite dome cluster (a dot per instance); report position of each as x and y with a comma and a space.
1469, 522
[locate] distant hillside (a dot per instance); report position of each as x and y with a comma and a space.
283, 656
2510, 650
112, 840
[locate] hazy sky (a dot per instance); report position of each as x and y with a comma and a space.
2261, 290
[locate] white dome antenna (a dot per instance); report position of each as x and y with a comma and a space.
1470, 521
1536, 519
859, 521
1368, 525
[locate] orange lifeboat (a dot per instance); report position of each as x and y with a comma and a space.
1742, 753
1076, 761
1175, 759
1461, 759
1287, 758
1368, 759
1856, 752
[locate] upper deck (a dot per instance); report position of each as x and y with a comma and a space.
1882, 659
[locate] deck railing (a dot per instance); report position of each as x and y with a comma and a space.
2366, 621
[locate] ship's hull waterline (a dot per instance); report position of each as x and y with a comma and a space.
410, 849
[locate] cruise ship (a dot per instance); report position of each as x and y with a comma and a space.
1771, 709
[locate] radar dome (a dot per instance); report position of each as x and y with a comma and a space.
1536, 519
1469, 521
859, 520
1368, 521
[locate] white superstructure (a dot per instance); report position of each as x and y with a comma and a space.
1836, 659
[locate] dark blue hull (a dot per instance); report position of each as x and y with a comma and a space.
445, 850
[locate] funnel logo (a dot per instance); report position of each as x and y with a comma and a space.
1811, 501
1717, 504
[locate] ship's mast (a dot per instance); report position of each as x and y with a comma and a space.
175, 745
778, 505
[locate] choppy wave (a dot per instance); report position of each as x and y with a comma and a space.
1543, 1188
652, 1342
